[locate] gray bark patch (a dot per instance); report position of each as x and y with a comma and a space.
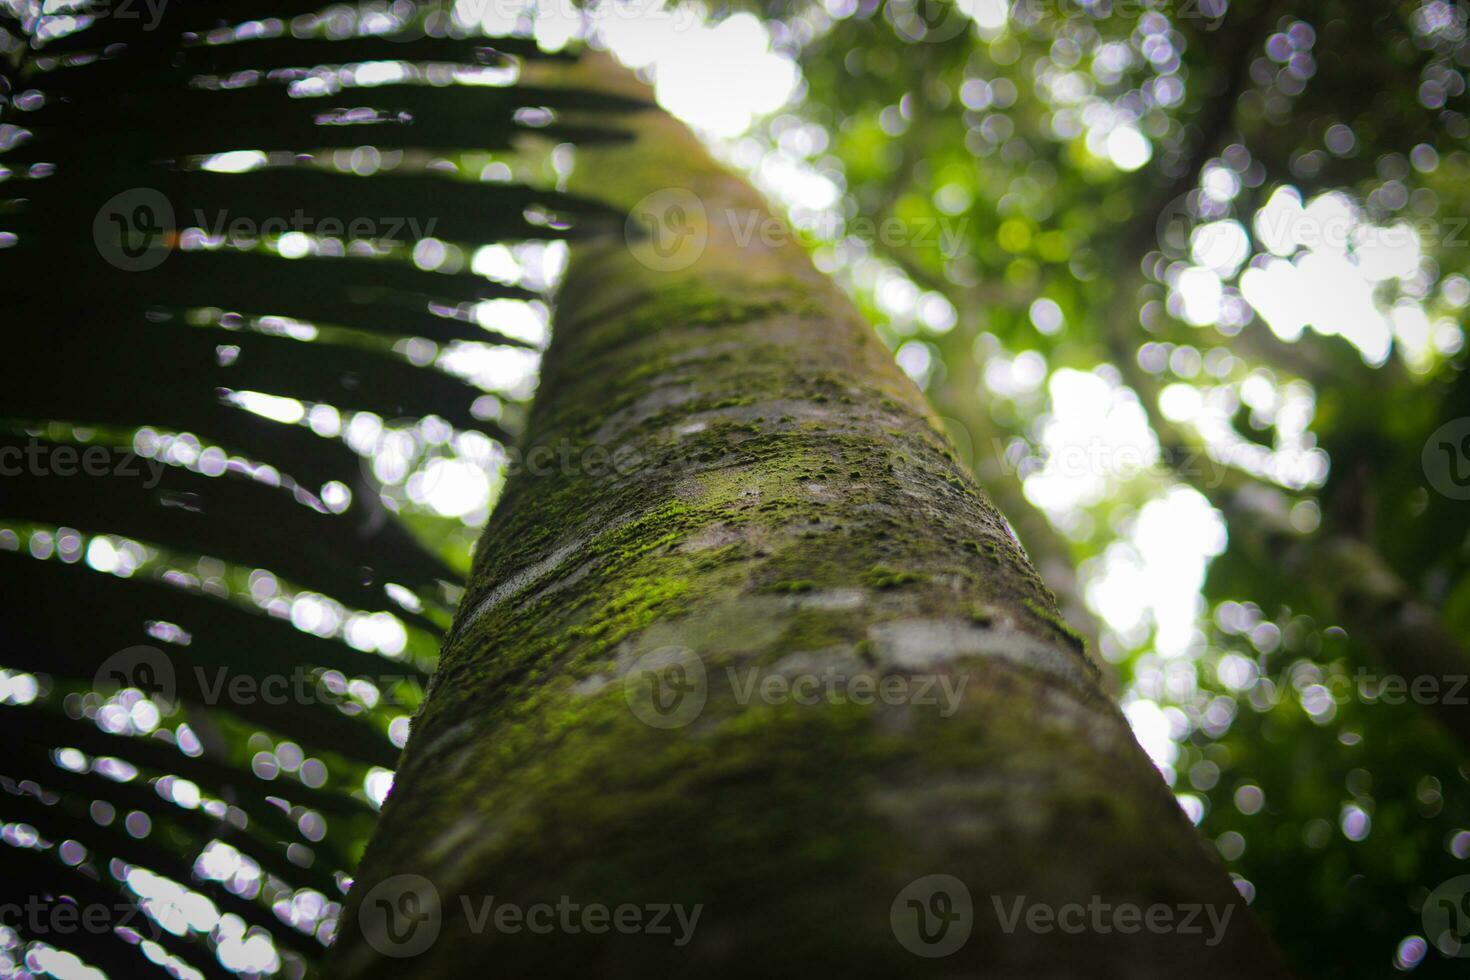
928, 644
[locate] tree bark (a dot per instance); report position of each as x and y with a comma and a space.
740, 486
1043, 544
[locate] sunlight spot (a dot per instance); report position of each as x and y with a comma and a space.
17, 688
101, 555
1355, 822
515, 318
1221, 246
1128, 148
377, 783
496, 262
1046, 316
453, 488
293, 245
917, 361
1152, 728
429, 254
716, 77
1200, 292
273, 407
235, 162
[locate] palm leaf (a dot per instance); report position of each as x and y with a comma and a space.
151, 178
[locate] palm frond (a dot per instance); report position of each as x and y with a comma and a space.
237, 247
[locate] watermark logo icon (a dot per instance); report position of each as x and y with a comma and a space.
1447, 917
668, 230
927, 20
416, 22
666, 688
401, 915
1175, 225
932, 916
1191, 225
1446, 459
414, 452
148, 13
144, 668
132, 229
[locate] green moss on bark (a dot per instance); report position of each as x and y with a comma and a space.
782, 507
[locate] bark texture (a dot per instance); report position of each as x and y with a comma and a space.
742, 476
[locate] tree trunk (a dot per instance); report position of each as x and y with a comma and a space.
1044, 546
731, 486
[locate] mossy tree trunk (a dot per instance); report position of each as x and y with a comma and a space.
737, 484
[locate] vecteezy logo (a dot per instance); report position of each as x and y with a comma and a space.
668, 230
416, 22
1446, 459
1447, 917
1212, 12
666, 688
132, 229
402, 450
144, 668
1175, 226
400, 916
927, 20
932, 916
1190, 225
